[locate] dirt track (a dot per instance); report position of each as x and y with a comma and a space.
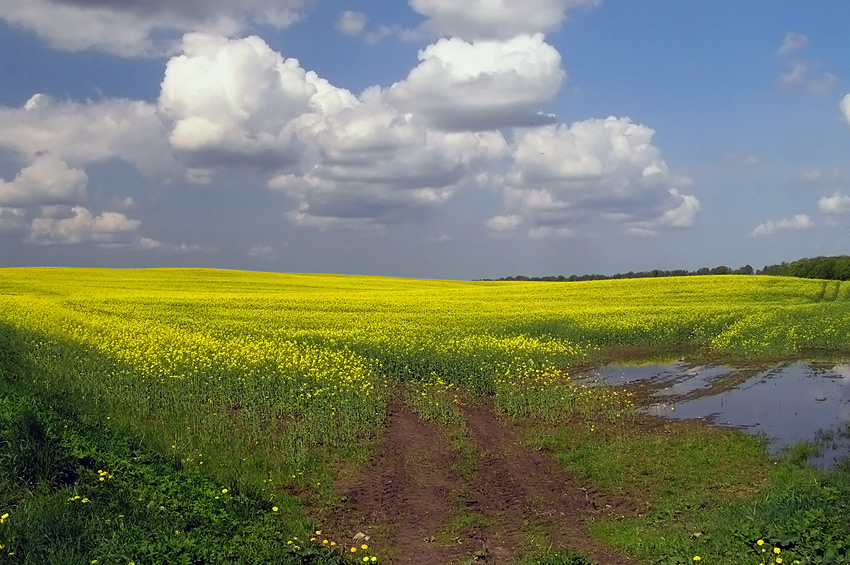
418, 509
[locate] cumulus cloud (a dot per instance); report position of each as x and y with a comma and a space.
262, 252
376, 166
12, 221
740, 159
351, 23
595, 170
835, 204
844, 105
47, 180
799, 75
89, 132
482, 84
130, 27
796, 223
820, 178
236, 102
495, 19
792, 42
82, 227
500, 224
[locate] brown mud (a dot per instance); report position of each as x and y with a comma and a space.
418, 508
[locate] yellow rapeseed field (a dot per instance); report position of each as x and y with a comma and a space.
291, 362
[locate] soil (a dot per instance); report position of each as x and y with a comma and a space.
418, 509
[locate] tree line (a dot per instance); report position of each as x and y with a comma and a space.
833, 268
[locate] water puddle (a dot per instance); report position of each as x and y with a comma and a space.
787, 403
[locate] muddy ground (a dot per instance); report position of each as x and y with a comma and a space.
422, 500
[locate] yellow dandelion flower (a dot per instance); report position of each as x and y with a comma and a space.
353, 550
760, 542
224, 491
274, 508
777, 550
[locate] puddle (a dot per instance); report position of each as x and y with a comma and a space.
787, 403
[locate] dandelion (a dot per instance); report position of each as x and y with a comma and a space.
224, 491
353, 550
776, 550
274, 508
779, 560
760, 542
364, 546
4, 517
697, 558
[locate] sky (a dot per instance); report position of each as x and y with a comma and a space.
423, 138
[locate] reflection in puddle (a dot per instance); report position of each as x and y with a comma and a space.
788, 403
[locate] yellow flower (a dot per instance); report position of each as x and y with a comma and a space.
779, 560
697, 558
373, 559
224, 491
777, 550
353, 549
760, 542
274, 508
364, 546
365, 559
318, 532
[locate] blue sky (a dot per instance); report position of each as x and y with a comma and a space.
423, 138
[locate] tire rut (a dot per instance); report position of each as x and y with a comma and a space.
410, 494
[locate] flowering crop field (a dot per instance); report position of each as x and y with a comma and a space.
268, 375
317, 352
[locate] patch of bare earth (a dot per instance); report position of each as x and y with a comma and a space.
410, 496
402, 500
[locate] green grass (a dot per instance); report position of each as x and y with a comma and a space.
705, 492
78, 490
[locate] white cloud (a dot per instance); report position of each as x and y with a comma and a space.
404, 34
82, 227
845, 108
130, 27
798, 222
595, 170
835, 204
547, 232
84, 133
495, 19
799, 76
482, 84
12, 221
740, 159
820, 178
351, 23
500, 224
792, 42
47, 180
262, 252
236, 102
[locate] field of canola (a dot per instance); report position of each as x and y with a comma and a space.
270, 376
327, 344
312, 356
